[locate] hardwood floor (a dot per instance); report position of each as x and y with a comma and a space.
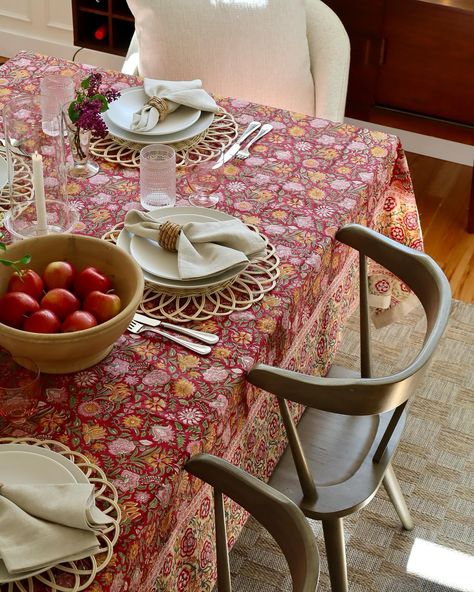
442, 192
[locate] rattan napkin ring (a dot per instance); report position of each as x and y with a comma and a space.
161, 105
168, 235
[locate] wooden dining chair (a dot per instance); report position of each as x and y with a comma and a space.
280, 516
282, 53
345, 441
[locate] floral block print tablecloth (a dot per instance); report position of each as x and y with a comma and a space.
145, 409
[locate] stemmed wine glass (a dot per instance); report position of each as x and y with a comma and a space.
204, 178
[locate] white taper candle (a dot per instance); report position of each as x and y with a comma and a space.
38, 188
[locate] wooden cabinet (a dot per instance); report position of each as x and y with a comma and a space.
103, 25
412, 64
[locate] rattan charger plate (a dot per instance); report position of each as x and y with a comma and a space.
218, 136
74, 576
236, 294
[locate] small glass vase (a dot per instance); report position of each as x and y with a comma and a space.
79, 142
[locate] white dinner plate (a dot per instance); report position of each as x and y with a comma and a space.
26, 464
125, 239
201, 125
3, 172
131, 100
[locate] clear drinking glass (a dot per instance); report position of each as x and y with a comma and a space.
20, 388
204, 178
55, 91
157, 176
26, 140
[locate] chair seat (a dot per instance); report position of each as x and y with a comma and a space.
339, 451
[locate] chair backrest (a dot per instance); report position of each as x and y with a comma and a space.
280, 516
282, 53
369, 396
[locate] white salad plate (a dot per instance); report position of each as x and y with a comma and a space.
196, 128
181, 215
131, 100
26, 464
3, 172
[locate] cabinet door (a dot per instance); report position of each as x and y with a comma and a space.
428, 66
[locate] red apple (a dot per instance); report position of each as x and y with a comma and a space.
15, 306
61, 302
59, 274
102, 306
91, 279
42, 321
77, 321
28, 282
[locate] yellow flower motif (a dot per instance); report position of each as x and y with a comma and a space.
132, 421
155, 404
194, 448
296, 131
297, 116
183, 388
5, 92
92, 432
378, 135
52, 422
130, 511
242, 337
100, 215
260, 148
146, 349
251, 220
328, 153
73, 188
208, 326
68, 73
98, 446
221, 352
316, 176
263, 195
271, 302
187, 361
316, 193
279, 214
344, 170
231, 170
266, 325
286, 270
294, 202
90, 407
118, 391
378, 151
311, 163
133, 551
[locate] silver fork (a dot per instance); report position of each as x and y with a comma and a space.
136, 327
209, 338
244, 152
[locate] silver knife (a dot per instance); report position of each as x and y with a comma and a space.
201, 335
252, 126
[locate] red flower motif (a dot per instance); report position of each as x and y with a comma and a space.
167, 564
411, 220
205, 557
188, 543
389, 204
382, 286
338, 294
321, 347
397, 233
205, 507
184, 578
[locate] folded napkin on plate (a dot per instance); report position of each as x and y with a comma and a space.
174, 93
45, 524
204, 248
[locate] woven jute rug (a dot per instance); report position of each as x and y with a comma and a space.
434, 464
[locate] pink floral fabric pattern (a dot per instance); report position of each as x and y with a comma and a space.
145, 409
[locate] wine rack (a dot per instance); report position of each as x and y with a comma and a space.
103, 25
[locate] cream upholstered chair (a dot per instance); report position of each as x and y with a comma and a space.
341, 451
292, 54
280, 516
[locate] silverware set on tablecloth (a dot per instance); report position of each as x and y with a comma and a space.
237, 151
141, 323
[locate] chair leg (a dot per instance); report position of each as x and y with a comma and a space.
392, 487
336, 554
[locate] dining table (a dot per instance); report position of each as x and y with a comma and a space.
150, 405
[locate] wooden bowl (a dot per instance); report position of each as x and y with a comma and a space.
69, 352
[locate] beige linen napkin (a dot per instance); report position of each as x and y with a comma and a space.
204, 248
45, 524
176, 93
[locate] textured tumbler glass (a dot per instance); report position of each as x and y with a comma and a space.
157, 176
20, 388
55, 90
